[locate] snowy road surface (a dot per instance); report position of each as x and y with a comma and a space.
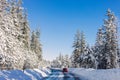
59, 75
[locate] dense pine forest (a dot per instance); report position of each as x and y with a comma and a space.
19, 48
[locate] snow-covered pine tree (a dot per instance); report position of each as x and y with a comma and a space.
23, 25
76, 52
98, 49
79, 49
39, 48
25, 31
35, 44
19, 17
110, 42
83, 50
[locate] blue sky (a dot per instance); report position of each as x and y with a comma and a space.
60, 19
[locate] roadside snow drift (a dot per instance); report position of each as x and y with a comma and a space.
35, 74
92, 74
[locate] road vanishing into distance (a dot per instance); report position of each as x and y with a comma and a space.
59, 75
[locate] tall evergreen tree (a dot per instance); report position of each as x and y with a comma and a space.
110, 42
25, 30
76, 52
35, 44
79, 49
39, 48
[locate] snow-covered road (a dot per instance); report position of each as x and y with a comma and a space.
59, 75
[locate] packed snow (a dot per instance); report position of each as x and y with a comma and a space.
100, 74
30, 74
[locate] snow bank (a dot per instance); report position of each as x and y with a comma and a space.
35, 74
43, 74
46, 70
92, 74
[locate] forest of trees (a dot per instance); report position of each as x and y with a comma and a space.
104, 54
19, 48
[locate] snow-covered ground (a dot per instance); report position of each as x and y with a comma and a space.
38, 74
92, 74
35, 74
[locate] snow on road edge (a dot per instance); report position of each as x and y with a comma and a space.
92, 74
30, 74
